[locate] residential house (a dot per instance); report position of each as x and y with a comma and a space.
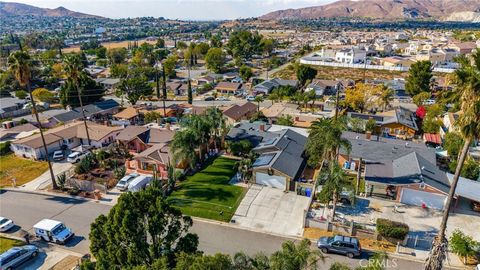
108, 83
149, 146
409, 179
228, 87
351, 56
449, 120
324, 87
281, 162
278, 110
266, 87
97, 111
237, 113
204, 80
397, 61
10, 132
10, 107
463, 47
47, 118
66, 136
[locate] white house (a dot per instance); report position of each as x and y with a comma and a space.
351, 56
66, 136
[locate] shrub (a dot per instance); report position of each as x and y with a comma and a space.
21, 94
85, 165
119, 172
392, 229
5, 149
463, 245
61, 179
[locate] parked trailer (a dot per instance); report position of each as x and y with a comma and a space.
139, 183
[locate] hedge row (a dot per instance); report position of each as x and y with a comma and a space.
392, 229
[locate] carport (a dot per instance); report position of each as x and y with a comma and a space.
466, 188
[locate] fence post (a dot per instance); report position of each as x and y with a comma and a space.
397, 250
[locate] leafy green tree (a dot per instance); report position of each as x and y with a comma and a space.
305, 73
183, 146
117, 55
101, 52
463, 245
203, 262
431, 125
181, 45
152, 116
357, 124
216, 41
160, 43
419, 77
139, 229
339, 266
295, 257
119, 70
285, 120
267, 45
189, 92
93, 91
419, 98
215, 59
21, 94
470, 169
201, 49
135, 88
42, 94
170, 63
244, 44
245, 73
453, 143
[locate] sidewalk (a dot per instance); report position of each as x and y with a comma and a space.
44, 180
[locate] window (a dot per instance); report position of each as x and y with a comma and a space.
336, 244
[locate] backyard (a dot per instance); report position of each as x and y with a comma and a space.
207, 194
24, 170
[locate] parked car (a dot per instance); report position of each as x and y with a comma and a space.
52, 231
250, 98
429, 102
209, 98
58, 155
223, 99
345, 245
5, 224
125, 181
139, 183
75, 157
15, 256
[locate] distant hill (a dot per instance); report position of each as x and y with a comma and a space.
386, 9
12, 9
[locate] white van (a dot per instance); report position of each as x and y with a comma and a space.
139, 183
52, 231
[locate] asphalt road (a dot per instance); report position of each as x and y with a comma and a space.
28, 208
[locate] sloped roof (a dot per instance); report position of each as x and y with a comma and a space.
236, 112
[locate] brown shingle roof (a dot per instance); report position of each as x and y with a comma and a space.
237, 112
228, 86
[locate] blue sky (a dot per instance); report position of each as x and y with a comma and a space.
176, 9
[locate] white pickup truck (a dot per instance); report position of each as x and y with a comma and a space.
52, 231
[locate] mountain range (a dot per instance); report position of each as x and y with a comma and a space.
17, 9
458, 10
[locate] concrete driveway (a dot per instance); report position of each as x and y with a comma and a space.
272, 210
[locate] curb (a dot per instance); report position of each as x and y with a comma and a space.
46, 193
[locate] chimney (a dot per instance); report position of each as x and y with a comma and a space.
262, 127
297, 118
368, 135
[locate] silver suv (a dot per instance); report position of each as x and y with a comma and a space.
15, 256
344, 245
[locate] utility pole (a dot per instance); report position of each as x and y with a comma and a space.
83, 111
164, 89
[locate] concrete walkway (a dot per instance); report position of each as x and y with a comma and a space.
44, 180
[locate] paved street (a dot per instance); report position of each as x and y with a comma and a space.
28, 208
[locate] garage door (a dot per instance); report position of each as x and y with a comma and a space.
270, 180
417, 197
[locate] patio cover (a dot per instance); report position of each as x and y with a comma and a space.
466, 188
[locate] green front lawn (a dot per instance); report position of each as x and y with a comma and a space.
207, 193
24, 170
7, 243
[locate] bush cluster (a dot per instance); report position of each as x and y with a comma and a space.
392, 229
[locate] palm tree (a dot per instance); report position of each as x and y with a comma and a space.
336, 181
217, 121
200, 127
386, 96
73, 69
295, 257
468, 85
258, 99
325, 140
183, 147
20, 64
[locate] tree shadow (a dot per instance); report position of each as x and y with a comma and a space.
361, 207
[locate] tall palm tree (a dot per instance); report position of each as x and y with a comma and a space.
386, 96
336, 181
258, 99
20, 64
325, 140
215, 117
183, 147
73, 69
295, 257
468, 85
